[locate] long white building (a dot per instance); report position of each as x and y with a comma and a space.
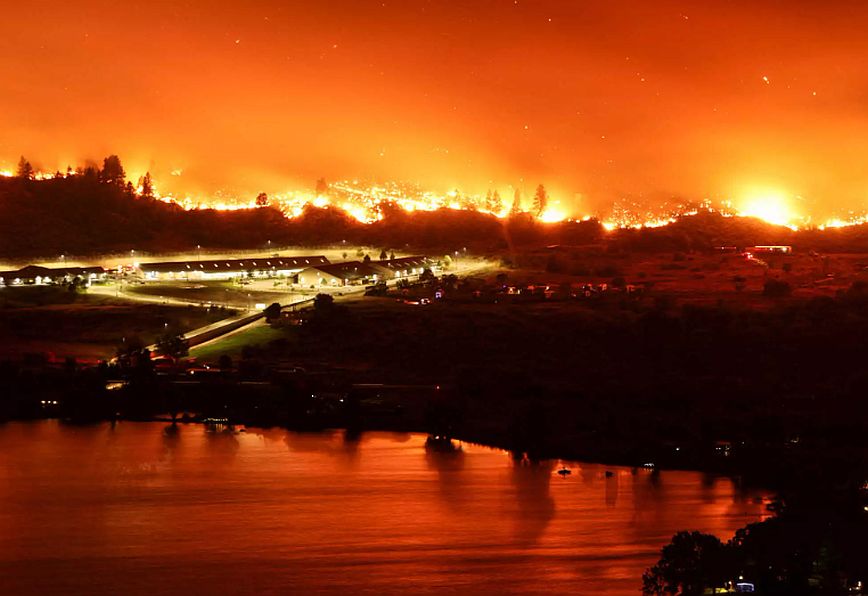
221, 269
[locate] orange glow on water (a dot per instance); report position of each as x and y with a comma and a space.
299, 511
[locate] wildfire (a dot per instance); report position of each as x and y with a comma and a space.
772, 207
553, 214
368, 203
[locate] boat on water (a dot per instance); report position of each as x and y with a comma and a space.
215, 422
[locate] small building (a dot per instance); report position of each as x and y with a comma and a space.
778, 249
36, 275
340, 274
403, 267
222, 269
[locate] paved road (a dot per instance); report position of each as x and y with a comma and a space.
235, 323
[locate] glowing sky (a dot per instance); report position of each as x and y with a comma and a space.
599, 100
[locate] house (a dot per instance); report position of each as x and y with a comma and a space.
211, 269
340, 274
36, 275
403, 267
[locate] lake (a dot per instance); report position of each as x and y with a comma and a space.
146, 508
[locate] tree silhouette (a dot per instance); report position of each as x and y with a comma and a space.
90, 170
272, 312
383, 255
262, 200
323, 302
516, 203
496, 202
540, 200
174, 344
25, 170
112, 171
492, 202
692, 562
147, 185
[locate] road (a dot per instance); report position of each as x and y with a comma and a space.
237, 322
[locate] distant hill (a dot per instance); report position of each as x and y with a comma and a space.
79, 215
707, 230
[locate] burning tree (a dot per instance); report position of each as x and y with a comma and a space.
540, 200
516, 203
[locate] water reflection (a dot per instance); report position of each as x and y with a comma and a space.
339, 447
447, 459
536, 506
612, 480
328, 512
221, 443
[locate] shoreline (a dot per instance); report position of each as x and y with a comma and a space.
488, 441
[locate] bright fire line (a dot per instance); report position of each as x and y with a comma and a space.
367, 203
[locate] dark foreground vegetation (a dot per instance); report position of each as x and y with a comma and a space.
814, 545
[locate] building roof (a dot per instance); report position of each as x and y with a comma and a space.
33, 271
404, 263
350, 270
231, 265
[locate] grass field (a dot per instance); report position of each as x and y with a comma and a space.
232, 344
43, 319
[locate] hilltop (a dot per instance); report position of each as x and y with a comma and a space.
82, 215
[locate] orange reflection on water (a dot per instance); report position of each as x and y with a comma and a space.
145, 508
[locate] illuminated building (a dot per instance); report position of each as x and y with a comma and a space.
36, 275
403, 267
219, 269
340, 274
780, 249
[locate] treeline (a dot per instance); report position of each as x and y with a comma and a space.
96, 210
88, 213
